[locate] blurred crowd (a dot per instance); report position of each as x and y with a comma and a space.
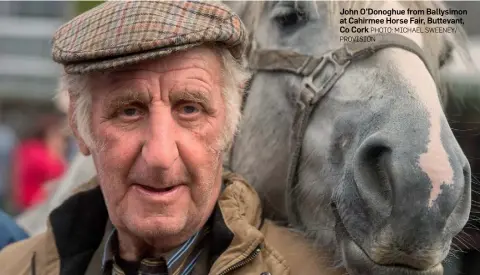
31, 164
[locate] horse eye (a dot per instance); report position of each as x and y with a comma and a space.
291, 18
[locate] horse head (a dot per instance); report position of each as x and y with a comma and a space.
380, 179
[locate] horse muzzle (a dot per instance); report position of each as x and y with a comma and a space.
358, 262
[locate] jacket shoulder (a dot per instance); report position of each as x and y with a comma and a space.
33, 253
299, 254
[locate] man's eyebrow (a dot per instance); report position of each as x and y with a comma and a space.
122, 98
191, 95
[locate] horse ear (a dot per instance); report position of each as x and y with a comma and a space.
73, 125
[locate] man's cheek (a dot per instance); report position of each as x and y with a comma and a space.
121, 149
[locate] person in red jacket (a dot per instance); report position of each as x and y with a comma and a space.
38, 160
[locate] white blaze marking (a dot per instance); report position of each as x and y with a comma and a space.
434, 162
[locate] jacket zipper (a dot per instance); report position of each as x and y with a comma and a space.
243, 262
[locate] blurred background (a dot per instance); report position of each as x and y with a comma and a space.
34, 136
32, 121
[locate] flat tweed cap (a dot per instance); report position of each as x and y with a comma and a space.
119, 33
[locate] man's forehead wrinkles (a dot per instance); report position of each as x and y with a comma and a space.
119, 85
208, 84
182, 67
126, 90
128, 76
129, 94
136, 73
182, 87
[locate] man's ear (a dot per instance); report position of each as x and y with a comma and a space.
73, 125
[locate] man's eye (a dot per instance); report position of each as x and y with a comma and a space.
130, 111
190, 109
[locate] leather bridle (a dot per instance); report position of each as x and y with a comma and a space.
310, 69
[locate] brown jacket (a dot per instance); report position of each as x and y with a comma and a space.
253, 246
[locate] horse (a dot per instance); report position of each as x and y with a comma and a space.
348, 143
371, 171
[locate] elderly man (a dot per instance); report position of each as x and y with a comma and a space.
155, 99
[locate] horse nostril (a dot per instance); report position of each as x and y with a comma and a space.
372, 177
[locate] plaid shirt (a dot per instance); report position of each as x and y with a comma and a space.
180, 261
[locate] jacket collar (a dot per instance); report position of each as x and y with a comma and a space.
78, 226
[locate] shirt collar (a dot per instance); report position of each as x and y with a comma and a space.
172, 258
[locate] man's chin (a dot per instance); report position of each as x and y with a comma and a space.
156, 226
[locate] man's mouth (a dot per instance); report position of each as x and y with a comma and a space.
156, 189
161, 193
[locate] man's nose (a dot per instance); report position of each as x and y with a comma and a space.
160, 148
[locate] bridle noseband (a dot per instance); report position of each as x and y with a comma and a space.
310, 69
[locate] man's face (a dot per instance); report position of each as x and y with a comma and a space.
158, 125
